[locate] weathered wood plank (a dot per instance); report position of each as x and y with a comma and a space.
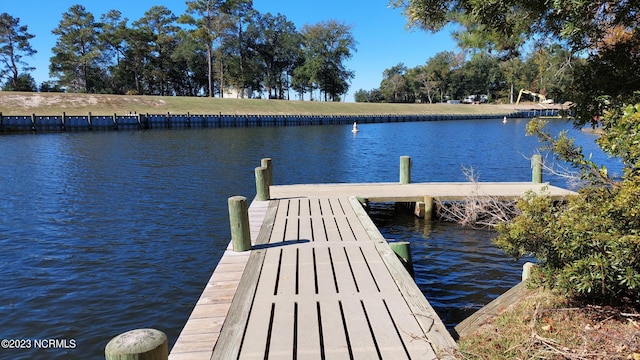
334, 297
327, 285
291, 233
306, 231
199, 335
331, 228
429, 321
492, 309
280, 222
287, 282
417, 343
325, 207
343, 224
314, 205
414, 192
229, 342
256, 337
308, 283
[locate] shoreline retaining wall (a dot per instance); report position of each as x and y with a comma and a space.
67, 123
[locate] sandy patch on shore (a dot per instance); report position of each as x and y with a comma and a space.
63, 100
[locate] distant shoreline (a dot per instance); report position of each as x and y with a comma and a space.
53, 104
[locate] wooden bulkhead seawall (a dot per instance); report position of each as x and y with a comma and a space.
26, 124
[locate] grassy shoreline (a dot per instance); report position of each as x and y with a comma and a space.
545, 325
25, 103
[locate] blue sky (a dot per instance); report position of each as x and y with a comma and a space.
379, 30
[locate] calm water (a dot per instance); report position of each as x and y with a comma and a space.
105, 232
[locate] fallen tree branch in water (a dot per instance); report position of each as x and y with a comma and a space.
475, 211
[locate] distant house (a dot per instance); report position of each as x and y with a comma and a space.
233, 93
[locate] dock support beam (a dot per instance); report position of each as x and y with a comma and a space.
536, 169
138, 344
425, 209
403, 250
239, 222
429, 208
405, 169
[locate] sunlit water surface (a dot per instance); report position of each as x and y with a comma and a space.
106, 232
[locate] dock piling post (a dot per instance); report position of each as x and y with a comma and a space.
405, 169
403, 251
419, 209
526, 270
536, 169
138, 344
429, 208
267, 163
239, 222
262, 183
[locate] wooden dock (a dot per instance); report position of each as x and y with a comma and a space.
395, 192
322, 283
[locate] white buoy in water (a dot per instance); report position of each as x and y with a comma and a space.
504, 120
355, 128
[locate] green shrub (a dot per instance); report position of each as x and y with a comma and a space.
588, 247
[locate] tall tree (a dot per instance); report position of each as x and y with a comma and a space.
191, 60
14, 45
482, 75
604, 30
326, 46
114, 36
393, 85
205, 16
239, 13
77, 51
136, 59
439, 69
589, 248
277, 44
159, 23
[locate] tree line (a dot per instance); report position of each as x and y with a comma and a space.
217, 47
548, 70
589, 247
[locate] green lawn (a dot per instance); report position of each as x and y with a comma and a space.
20, 103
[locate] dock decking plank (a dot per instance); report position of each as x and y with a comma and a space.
429, 321
308, 331
200, 334
389, 342
342, 271
361, 269
335, 343
361, 340
318, 286
322, 283
228, 344
413, 192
